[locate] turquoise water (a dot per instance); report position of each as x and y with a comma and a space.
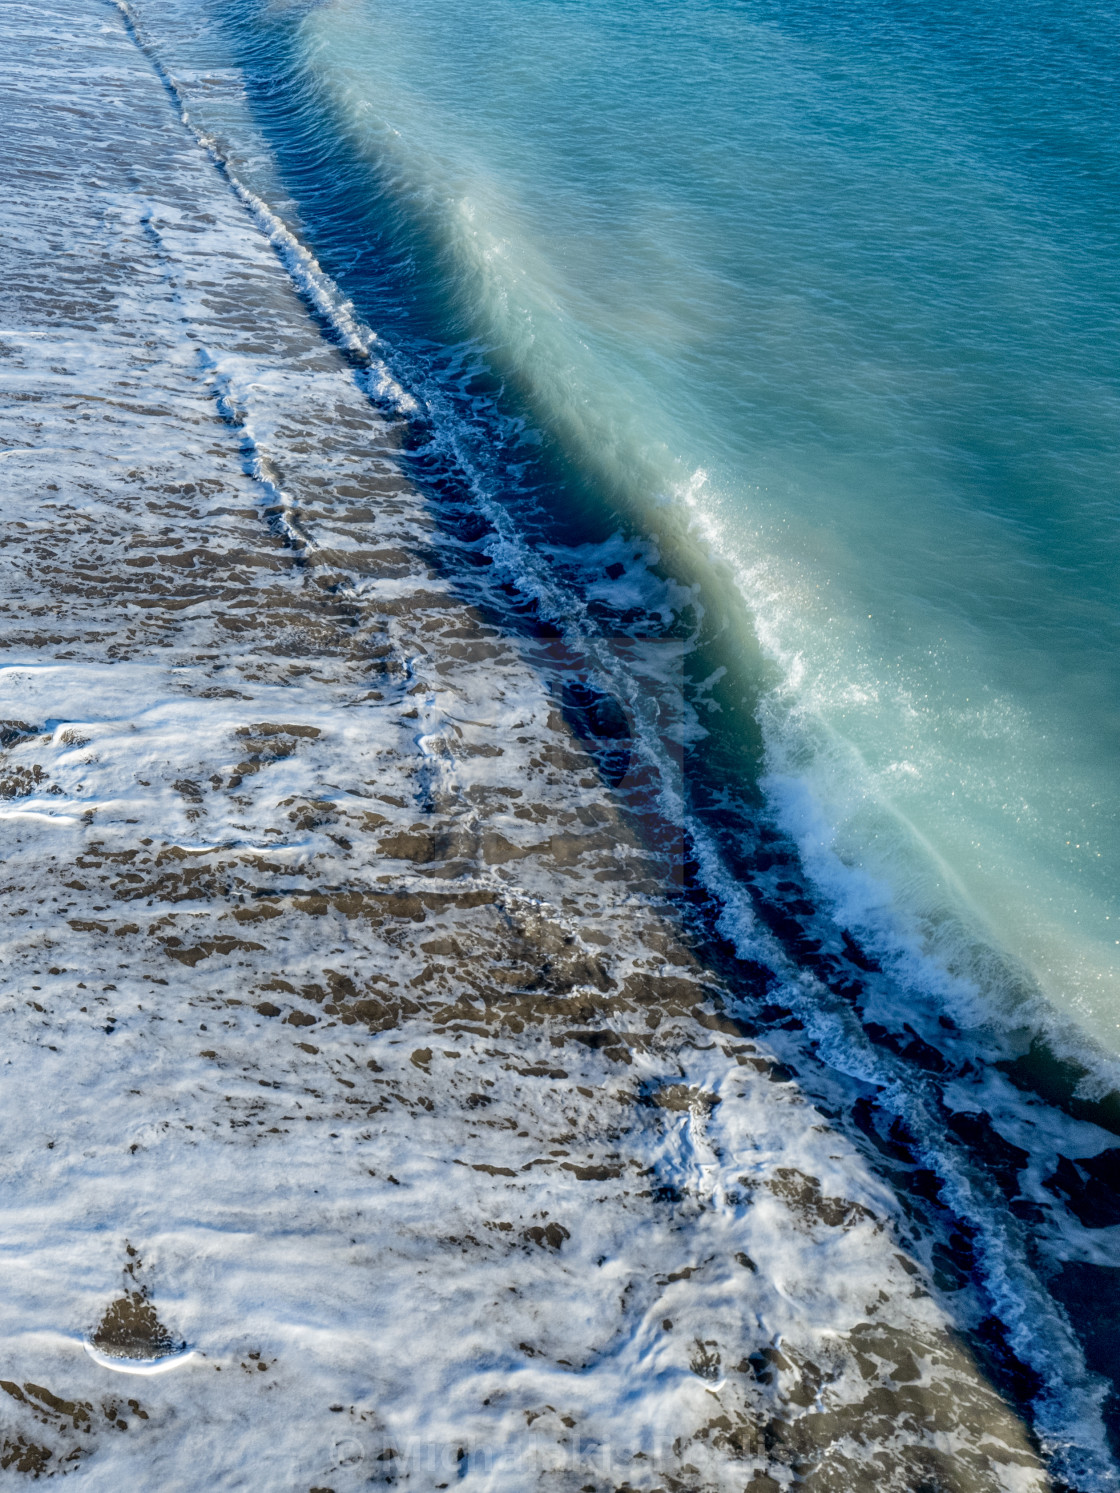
826, 300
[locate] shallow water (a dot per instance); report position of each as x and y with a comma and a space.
784, 370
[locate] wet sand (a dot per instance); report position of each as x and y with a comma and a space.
461, 1169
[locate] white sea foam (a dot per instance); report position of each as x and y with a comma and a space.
144, 1367
811, 1289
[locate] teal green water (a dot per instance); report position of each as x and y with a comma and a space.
826, 299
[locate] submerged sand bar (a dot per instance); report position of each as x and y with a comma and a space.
351, 1050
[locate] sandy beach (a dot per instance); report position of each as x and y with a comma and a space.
469, 1167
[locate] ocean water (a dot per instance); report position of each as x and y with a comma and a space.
824, 301
775, 345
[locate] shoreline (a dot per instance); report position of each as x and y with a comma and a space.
270, 775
